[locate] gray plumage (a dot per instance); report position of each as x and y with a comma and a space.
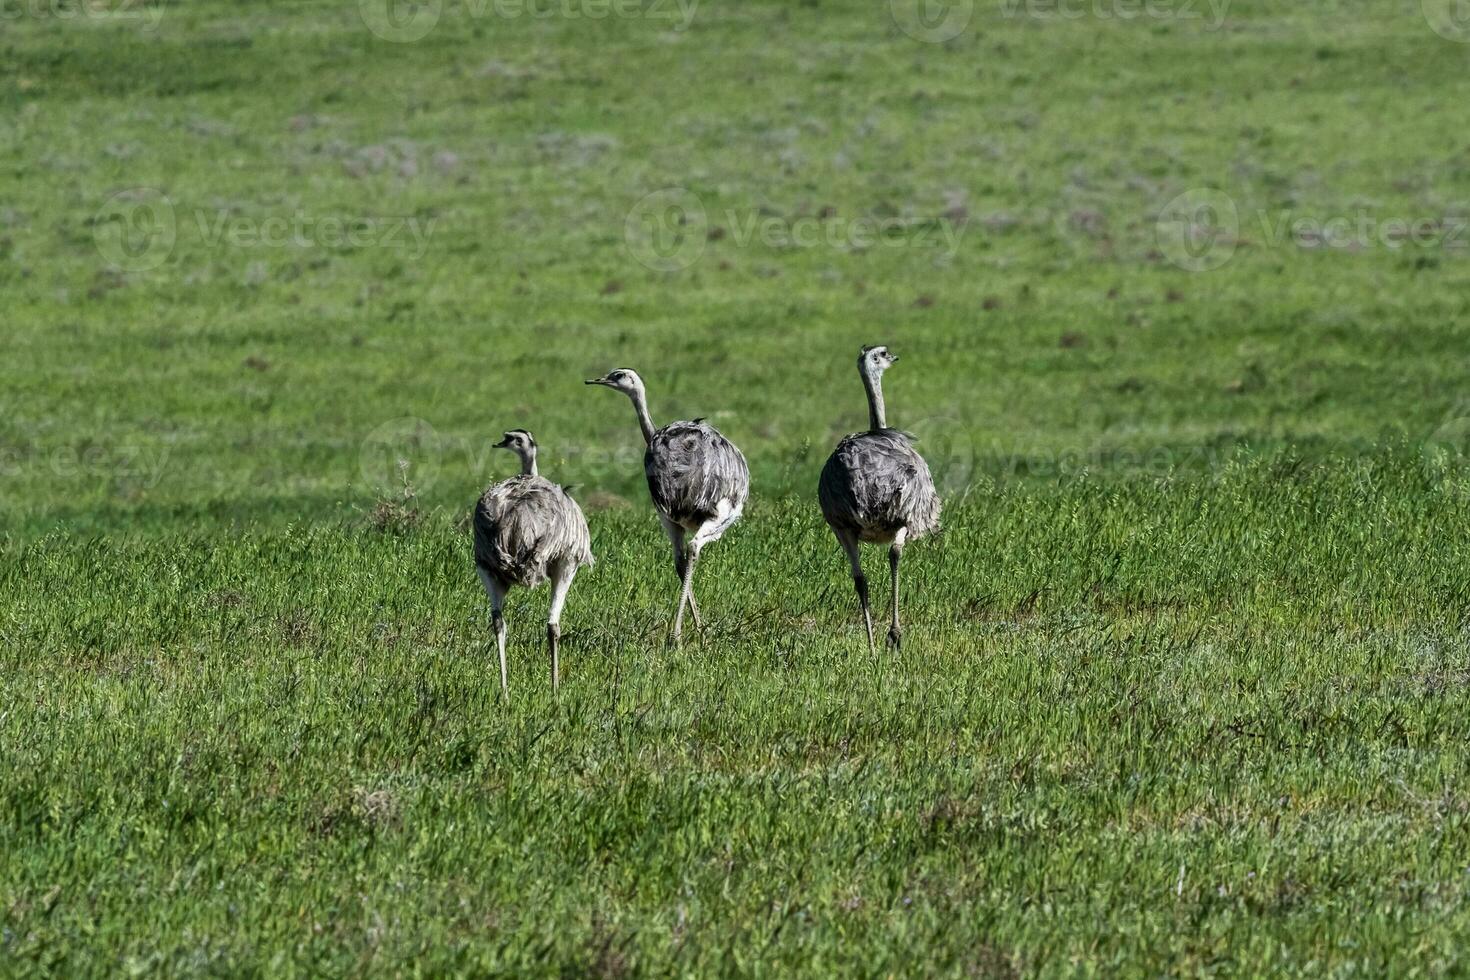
528, 530
876, 483
698, 480
692, 471
525, 525
875, 487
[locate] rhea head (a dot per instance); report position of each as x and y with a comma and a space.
874, 360
520, 442
625, 380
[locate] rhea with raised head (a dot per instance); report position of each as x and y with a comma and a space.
698, 480
877, 488
528, 530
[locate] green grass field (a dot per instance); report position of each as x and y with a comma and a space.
1182, 291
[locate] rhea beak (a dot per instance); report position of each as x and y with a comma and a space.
502, 444
597, 381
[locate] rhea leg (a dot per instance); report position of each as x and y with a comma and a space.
676, 535
686, 592
849, 542
895, 552
497, 591
561, 582
694, 610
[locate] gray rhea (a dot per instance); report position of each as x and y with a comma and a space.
528, 530
877, 488
697, 478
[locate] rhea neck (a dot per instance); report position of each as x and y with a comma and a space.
528, 460
645, 421
873, 384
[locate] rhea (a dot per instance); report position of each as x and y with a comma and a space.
528, 530
877, 488
698, 480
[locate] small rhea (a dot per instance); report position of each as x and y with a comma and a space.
698, 480
528, 530
877, 488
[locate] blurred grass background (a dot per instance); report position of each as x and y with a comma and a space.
495, 166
